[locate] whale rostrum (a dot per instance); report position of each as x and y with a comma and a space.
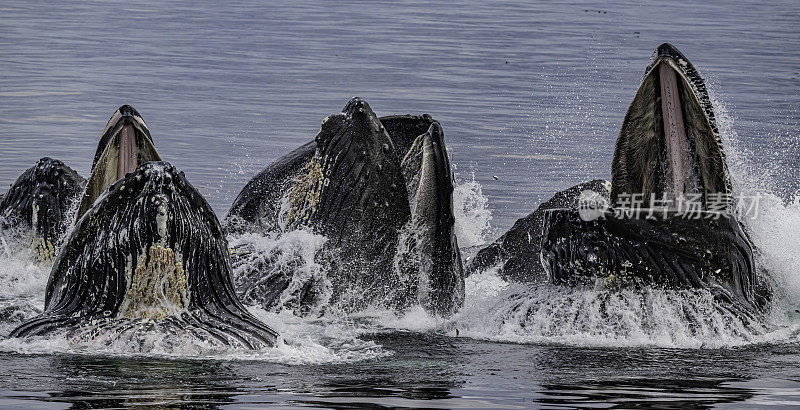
669, 144
124, 145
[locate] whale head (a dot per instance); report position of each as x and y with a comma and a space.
41, 199
148, 251
353, 186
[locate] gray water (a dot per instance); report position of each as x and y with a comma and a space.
531, 97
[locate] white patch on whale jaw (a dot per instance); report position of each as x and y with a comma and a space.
304, 196
44, 250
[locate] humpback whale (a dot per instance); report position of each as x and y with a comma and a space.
148, 253
380, 191
41, 199
666, 219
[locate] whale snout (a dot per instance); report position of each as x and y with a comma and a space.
355, 106
149, 249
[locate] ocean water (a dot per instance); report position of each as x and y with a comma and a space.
531, 96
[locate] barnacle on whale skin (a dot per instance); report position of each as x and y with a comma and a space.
305, 194
44, 250
157, 286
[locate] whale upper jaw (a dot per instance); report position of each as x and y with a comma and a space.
124, 145
124, 116
669, 144
150, 249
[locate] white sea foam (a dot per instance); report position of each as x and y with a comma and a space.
545, 313
302, 341
302, 349
21, 275
22, 280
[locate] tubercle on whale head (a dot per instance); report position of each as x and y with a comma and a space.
357, 114
355, 105
124, 115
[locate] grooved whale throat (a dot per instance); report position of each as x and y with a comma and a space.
674, 132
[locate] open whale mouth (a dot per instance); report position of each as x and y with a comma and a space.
124, 145
669, 145
429, 180
149, 250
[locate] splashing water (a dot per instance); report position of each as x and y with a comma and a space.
22, 279
545, 313
772, 223
494, 309
265, 260
22, 284
472, 213
298, 345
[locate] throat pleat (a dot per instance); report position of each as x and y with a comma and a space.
674, 131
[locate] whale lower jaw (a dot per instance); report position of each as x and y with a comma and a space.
669, 145
674, 252
150, 249
126, 143
426, 170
